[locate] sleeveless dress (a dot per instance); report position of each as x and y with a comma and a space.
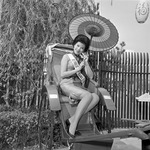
72, 86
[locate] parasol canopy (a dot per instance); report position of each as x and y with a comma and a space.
101, 31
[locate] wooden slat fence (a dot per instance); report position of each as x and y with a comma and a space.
126, 78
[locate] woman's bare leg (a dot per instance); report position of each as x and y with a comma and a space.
87, 102
93, 103
81, 108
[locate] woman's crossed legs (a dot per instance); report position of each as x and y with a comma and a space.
87, 102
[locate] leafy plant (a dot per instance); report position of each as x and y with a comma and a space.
17, 128
27, 26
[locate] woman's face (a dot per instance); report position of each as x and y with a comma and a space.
79, 48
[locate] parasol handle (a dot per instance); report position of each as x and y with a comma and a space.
91, 39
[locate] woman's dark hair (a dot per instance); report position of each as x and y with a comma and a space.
84, 40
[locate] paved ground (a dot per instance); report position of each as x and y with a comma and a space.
127, 144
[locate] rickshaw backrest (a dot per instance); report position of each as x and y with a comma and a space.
57, 53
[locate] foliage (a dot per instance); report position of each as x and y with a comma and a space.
20, 128
115, 53
17, 128
27, 26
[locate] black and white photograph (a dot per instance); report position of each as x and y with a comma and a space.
74, 74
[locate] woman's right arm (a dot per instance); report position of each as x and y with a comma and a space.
64, 65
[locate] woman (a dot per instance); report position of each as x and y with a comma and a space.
73, 86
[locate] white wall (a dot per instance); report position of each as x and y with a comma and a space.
122, 14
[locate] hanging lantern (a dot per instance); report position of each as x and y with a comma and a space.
142, 11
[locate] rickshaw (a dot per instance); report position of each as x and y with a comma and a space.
104, 36
91, 137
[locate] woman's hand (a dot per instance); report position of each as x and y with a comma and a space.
85, 57
82, 64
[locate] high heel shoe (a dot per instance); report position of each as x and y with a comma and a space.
71, 135
68, 125
67, 122
67, 128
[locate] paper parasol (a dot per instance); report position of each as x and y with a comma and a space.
101, 31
